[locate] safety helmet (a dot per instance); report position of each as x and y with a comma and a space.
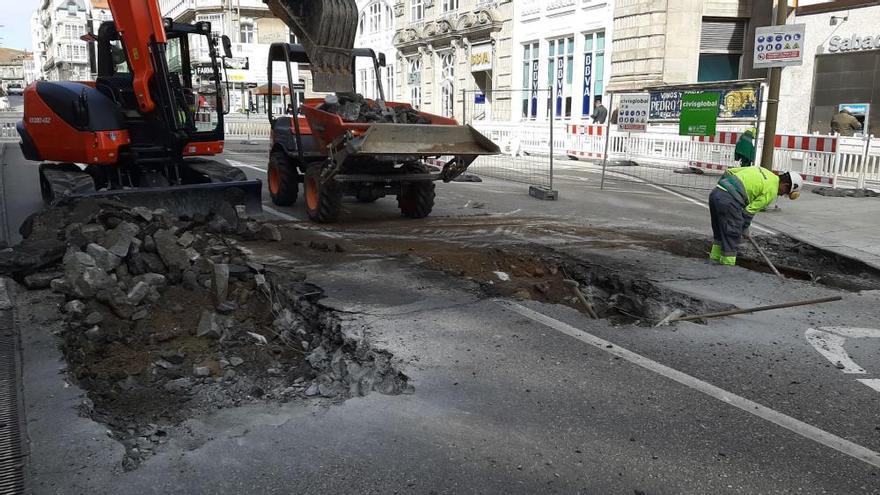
797, 182
752, 131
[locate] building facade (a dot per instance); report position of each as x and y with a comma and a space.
59, 53
452, 51
684, 41
376, 31
251, 27
561, 58
12, 65
841, 60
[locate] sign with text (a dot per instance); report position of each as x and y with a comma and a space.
588, 81
481, 57
737, 103
699, 113
632, 115
779, 46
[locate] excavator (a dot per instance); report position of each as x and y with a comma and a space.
142, 131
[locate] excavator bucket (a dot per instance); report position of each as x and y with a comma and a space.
327, 31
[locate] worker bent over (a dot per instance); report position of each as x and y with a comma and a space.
740, 194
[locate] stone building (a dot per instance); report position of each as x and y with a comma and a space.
450, 52
563, 45
59, 53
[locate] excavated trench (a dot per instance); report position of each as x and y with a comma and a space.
165, 319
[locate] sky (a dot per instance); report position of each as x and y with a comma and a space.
16, 22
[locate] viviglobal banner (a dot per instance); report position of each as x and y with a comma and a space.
734, 103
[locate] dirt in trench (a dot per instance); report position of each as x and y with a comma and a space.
525, 272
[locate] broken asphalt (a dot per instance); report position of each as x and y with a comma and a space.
502, 402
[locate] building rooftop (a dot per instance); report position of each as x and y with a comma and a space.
8, 55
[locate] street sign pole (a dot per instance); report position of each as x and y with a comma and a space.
773, 96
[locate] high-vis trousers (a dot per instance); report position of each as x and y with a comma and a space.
727, 226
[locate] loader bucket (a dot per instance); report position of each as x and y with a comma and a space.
326, 29
423, 140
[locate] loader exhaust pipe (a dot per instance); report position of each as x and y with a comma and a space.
327, 30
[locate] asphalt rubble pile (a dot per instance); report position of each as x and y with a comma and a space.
168, 318
355, 108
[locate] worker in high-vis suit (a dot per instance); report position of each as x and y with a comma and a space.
740, 194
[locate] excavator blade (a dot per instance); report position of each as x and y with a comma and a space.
327, 30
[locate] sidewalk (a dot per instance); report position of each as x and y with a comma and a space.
847, 226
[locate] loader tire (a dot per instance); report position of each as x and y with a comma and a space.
416, 199
323, 199
283, 179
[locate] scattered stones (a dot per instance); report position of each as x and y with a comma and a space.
226, 307
845, 193
104, 259
179, 385
186, 239
151, 279
5, 296
139, 315
75, 307
174, 256
221, 282
41, 280
138, 292
236, 361
143, 212
211, 325
93, 333
94, 318
201, 371
82, 275
269, 232
118, 240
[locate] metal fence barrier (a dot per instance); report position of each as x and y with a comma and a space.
529, 146
8, 121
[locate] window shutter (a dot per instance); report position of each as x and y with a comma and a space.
723, 36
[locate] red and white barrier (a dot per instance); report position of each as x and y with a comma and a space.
585, 141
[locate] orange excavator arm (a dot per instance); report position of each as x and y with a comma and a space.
140, 27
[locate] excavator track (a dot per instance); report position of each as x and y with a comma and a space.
63, 180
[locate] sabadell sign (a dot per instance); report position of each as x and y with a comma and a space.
854, 43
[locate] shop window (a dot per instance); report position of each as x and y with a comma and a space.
721, 49
530, 80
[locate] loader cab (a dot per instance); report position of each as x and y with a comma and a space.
290, 130
194, 75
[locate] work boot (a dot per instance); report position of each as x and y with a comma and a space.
728, 260
715, 255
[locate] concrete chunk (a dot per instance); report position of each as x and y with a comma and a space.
118, 240
104, 259
221, 282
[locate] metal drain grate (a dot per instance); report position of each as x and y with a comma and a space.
12, 450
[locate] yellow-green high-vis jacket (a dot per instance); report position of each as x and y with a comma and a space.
754, 187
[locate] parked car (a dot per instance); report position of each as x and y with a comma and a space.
15, 90
4, 104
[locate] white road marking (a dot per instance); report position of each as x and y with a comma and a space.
236, 163
283, 216
871, 382
796, 426
831, 346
